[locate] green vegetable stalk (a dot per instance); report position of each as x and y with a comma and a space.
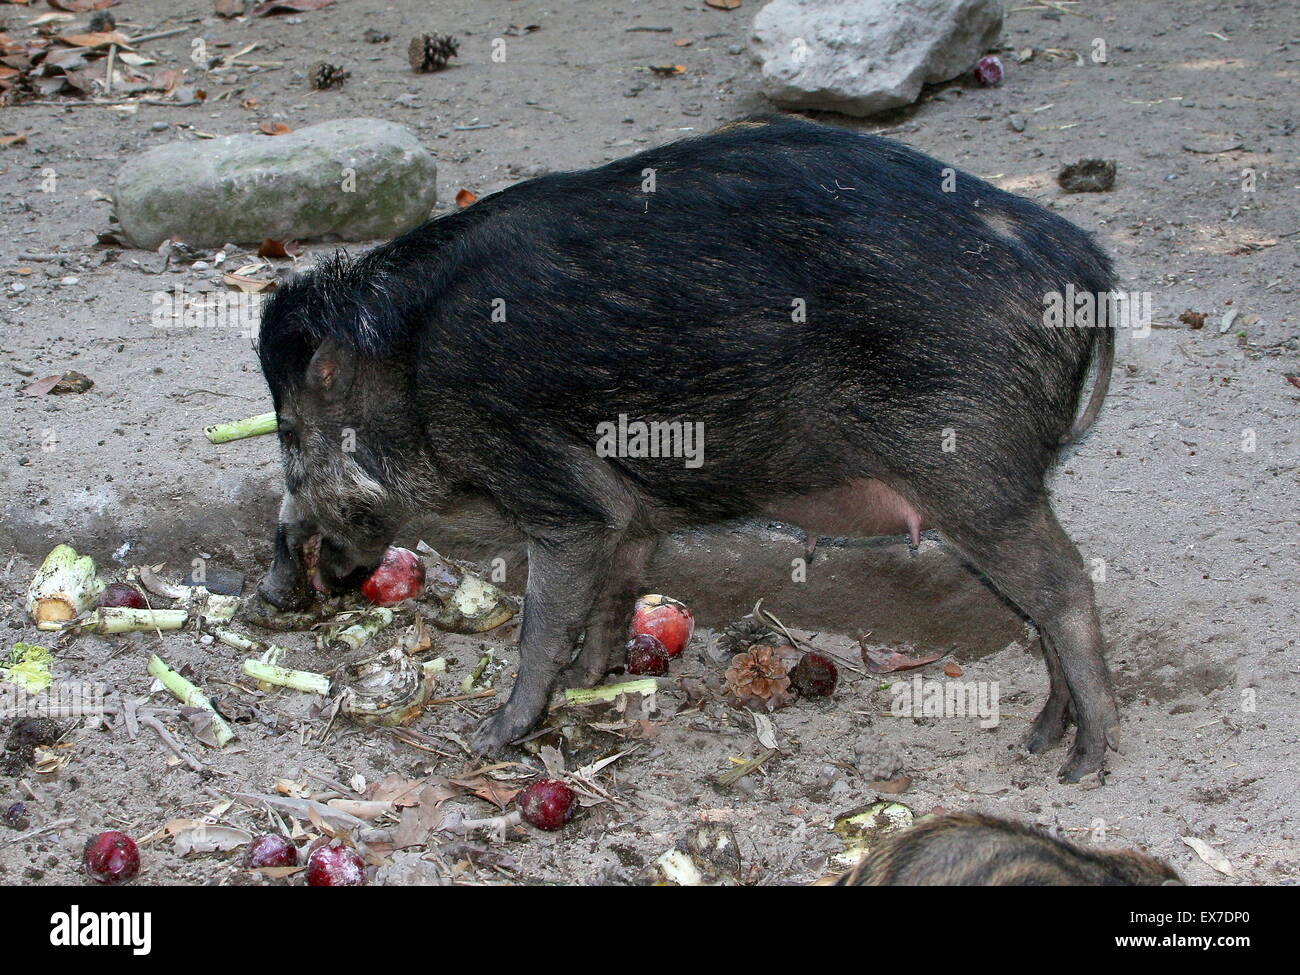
253, 426
63, 588
298, 680
353, 637
582, 695
124, 619
190, 695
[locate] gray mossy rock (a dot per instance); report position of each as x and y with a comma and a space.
860, 57
246, 188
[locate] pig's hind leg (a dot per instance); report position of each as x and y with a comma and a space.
607, 628
1032, 562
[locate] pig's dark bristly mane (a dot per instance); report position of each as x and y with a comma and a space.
340, 299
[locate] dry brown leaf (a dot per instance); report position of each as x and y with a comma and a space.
951, 670
82, 6
249, 286
723, 4
274, 128
228, 8
42, 386
95, 41
279, 248
15, 140
465, 197
667, 70
880, 661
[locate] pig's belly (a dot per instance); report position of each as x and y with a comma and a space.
861, 508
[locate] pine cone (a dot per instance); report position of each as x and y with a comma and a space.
757, 679
431, 52
325, 76
745, 632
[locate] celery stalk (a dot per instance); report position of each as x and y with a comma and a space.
608, 692
253, 426
188, 694
298, 680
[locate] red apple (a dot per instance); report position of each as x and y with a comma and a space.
335, 866
665, 619
646, 656
547, 804
400, 576
111, 858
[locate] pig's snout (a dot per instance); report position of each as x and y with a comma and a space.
341, 567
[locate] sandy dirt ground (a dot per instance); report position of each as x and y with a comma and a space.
1185, 492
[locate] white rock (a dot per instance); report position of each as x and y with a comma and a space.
861, 57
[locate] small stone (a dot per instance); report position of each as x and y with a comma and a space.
160, 126
17, 287
1017, 123
69, 281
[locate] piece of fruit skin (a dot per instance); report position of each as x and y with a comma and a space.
547, 804
666, 619
111, 858
646, 656
123, 594
335, 866
400, 576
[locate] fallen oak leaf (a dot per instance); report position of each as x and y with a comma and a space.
274, 128
465, 197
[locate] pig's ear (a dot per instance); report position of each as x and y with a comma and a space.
329, 374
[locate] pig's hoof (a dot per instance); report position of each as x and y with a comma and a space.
1048, 728
577, 674
1085, 766
494, 735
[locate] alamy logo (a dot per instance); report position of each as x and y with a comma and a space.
1102, 309
922, 698
639, 439
73, 929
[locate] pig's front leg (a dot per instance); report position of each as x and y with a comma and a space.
563, 579
286, 586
